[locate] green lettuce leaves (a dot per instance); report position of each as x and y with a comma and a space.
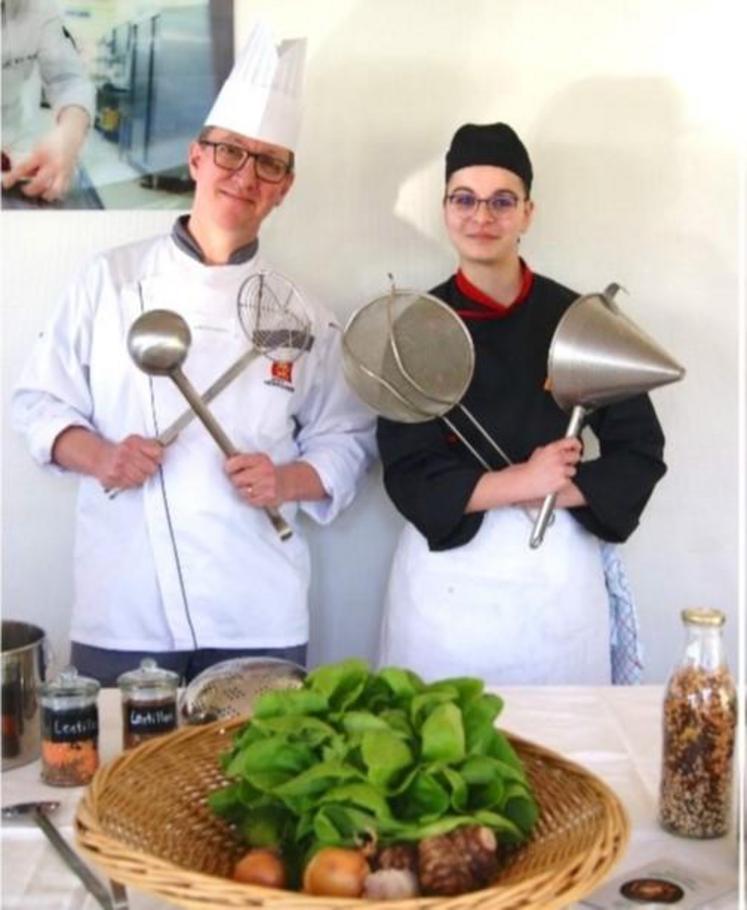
355, 754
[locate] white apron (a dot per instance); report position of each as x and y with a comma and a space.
499, 610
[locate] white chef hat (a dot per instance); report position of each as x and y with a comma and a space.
261, 98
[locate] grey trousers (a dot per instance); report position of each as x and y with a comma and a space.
106, 665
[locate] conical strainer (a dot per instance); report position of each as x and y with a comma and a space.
598, 356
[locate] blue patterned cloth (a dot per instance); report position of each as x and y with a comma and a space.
626, 655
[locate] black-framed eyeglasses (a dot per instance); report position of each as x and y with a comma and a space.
465, 203
234, 157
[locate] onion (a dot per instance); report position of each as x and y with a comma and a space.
260, 867
391, 885
336, 872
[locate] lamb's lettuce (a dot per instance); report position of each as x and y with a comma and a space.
354, 754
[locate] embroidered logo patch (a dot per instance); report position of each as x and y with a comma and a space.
282, 370
281, 374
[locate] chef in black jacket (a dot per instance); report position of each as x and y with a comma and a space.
466, 594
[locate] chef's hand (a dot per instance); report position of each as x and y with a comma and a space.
49, 168
550, 468
257, 479
261, 483
129, 463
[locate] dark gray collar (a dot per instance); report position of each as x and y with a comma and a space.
187, 244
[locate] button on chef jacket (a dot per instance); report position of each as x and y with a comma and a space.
182, 562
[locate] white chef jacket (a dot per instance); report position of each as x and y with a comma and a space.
497, 609
33, 37
182, 562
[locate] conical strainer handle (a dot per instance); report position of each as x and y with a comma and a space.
540, 525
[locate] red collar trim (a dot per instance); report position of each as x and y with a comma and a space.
492, 309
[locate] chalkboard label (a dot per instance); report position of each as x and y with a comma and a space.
146, 718
71, 725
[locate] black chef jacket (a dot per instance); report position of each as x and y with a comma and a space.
430, 475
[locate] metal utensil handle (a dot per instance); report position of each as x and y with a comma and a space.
169, 435
408, 403
227, 447
538, 531
468, 445
201, 411
119, 895
449, 403
481, 429
71, 858
478, 426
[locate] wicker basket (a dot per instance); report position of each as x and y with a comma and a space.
144, 819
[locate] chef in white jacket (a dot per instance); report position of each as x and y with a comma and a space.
42, 158
183, 564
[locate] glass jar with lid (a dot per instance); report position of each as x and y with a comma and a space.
699, 724
70, 729
148, 702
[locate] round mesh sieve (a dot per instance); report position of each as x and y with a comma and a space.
408, 356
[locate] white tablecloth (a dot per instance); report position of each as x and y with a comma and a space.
615, 732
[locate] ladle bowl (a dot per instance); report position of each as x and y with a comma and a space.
159, 341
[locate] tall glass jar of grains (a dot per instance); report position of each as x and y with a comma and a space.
700, 715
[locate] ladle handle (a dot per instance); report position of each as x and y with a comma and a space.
227, 447
71, 858
540, 525
201, 410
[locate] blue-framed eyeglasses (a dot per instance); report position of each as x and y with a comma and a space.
465, 203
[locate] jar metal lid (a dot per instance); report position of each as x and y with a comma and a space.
703, 616
70, 684
148, 675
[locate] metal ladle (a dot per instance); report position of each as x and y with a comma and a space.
158, 342
38, 812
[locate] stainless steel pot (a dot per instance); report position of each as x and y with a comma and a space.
24, 661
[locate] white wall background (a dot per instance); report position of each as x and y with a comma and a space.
631, 111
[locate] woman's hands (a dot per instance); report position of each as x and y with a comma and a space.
549, 469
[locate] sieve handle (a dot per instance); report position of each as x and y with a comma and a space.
465, 442
478, 426
227, 447
540, 525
